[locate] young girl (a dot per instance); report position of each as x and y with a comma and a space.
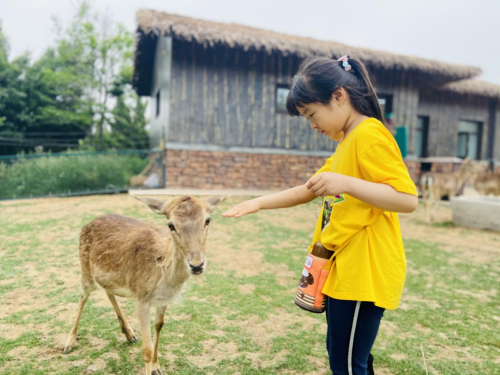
364, 184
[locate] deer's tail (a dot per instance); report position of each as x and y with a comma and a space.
426, 182
85, 246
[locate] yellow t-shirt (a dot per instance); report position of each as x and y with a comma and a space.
369, 262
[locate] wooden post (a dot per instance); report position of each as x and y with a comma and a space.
491, 132
161, 91
165, 71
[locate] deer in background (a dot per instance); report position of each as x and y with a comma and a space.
436, 185
146, 262
487, 183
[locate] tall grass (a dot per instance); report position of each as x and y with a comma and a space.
51, 175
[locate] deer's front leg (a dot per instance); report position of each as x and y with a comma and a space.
147, 345
159, 319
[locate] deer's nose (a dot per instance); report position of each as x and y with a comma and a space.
197, 270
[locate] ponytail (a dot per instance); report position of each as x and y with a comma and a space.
319, 77
369, 95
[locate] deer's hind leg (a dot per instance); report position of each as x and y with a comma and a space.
126, 329
435, 207
88, 286
431, 202
426, 198
427, 210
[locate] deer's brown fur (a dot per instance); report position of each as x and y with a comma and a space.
436, 185
146, 262
487, 183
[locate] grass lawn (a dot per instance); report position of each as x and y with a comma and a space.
239, 316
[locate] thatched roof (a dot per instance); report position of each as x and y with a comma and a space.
245, 37
473, 87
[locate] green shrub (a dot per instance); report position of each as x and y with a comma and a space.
52, 175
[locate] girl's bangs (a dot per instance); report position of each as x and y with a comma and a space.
298, 97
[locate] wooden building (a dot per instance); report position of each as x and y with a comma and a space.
218, 92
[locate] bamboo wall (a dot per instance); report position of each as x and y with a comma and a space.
226, 97
404, 88
497, 135
445, 110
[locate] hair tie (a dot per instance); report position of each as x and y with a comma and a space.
345, 62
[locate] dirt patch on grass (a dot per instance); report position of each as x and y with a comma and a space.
478, 246
10, 331
21, 300
243, 260
384, 371
300, 218
398, 357
263, 331
388, 330
411, 300
455, 354
214, 352
38, 353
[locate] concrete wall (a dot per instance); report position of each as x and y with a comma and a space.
477, 212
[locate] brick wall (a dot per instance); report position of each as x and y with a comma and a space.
413, 168
229, 170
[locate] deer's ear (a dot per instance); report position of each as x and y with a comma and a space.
214, 202
155, 205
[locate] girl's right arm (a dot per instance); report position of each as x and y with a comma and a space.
287, 198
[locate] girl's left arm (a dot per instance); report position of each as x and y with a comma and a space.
380, 195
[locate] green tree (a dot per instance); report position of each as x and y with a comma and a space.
12, 97
79, 88
127, 127
11, 94
96, 57
39, 104
52, 98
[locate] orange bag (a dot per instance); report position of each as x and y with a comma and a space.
309, 296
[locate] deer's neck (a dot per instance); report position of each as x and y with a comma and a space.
462, 176
175, 273
178, 271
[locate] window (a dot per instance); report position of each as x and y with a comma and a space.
421, 136
281, 94
158, 103
469, 140
385, 102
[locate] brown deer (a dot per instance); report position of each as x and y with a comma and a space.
146, 262
487, 183
436, 185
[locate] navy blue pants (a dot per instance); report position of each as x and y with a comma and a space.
352, 329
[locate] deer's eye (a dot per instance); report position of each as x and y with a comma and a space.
172, 227
207, 221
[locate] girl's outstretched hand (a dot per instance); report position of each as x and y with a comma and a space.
244, 208
327, 184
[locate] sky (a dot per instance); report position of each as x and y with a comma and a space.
459, 31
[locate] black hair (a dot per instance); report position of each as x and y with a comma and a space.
319, 77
